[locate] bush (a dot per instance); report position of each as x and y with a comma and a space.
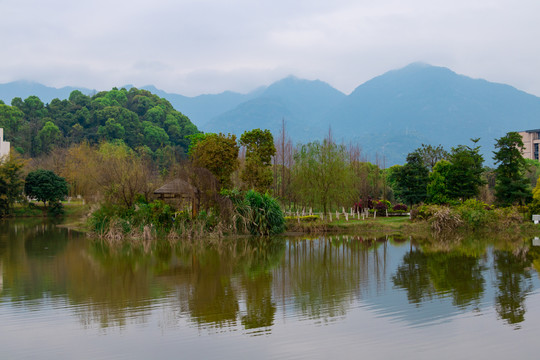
400, 207
425, 212
445, 219
474, 213
266, 215
534, 208
157, 213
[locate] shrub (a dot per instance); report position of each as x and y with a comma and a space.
266, 215
381, 207
424, 212
400, 207
445, 219
474, 213
534, 208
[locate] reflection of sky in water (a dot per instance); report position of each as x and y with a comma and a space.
346, 305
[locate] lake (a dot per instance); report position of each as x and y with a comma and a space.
63, 296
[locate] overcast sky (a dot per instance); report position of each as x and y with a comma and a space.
208, 46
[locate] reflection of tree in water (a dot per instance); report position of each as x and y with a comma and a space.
413, 276
221, 277
27, 250
325, 276
513, 283
424, 275
260, 305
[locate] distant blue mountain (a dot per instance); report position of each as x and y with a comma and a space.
389, 115
432, 105
200, 109
24, 89
299, 102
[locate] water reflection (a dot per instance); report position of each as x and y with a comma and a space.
424, 275
248, 284
513, 285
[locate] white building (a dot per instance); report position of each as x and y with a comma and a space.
4, 145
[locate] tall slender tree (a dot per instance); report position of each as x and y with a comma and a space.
412, 179
260, 148
511, 187
465, 176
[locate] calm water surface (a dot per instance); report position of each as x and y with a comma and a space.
339, 297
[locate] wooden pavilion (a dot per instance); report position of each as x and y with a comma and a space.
181, 193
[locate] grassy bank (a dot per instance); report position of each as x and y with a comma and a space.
401, 224
440, 223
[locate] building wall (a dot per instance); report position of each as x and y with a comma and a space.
4, 145
531, 140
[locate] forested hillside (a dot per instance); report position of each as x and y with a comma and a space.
142, 120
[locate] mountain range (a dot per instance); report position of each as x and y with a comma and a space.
389, 115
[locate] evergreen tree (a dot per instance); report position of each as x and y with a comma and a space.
437, 189
512, 187
465, 176
412, 179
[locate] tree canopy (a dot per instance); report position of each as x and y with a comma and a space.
259, 151
45, 186
137, 117
218, 153
512, 186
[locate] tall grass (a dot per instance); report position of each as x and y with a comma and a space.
252, 212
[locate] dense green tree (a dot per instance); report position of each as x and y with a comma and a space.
437, 189
111, 130
48, 136
154, 136
137, 117
45, 186
512, 187
412, 179
218, 153
465, 177
11, 120
260, 148
11, 182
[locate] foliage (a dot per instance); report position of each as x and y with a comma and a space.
400, 207
322, 174
381, 207
219, 154
11, 182
412, 179
137, 117
474, 213
267, 217
259, 151
536, 190
432, 155
512, 187
261, 212
45, 186
438, 191
465, 178
471, 215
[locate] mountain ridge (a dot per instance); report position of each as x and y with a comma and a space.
389, 115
